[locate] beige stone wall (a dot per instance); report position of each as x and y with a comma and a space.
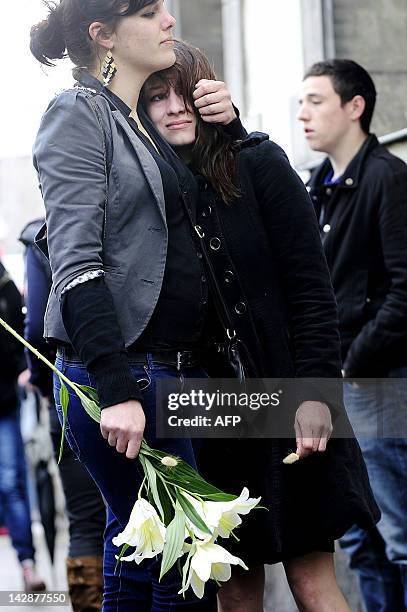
374, 33
200, 23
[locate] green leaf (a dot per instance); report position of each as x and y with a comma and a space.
64, 401
174, 541
191, 513
119, 558
91, 407
166, 502
149, 471
90, 391
183, 475
221, 497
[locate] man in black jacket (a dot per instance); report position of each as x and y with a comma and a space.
13, 486
360, 197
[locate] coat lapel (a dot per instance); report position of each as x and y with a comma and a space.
147, 162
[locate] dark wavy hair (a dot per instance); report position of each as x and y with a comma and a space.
65, 31
349, 79
214, 152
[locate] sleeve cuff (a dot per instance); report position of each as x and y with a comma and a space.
114, 380
235, 129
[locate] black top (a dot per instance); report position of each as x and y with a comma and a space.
178, 318
38, 285
11, 351
275, 282
364, 230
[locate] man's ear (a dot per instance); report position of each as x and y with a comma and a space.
357, 107
99, 35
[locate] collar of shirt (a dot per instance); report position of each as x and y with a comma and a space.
329, 176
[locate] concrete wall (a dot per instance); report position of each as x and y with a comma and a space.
374, 33
399, 149
200, 23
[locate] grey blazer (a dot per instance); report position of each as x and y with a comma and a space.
105, 208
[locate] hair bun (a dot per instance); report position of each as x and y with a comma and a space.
47, 37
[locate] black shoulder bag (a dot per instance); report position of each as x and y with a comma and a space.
234, 351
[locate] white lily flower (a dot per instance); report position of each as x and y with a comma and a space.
145, 531
190, 526
225, 516
209, 561
222, 517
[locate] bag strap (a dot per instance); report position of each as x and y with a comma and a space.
4, 280
220, 304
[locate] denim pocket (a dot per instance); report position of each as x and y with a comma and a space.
77, 373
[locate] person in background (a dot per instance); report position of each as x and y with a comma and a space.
262, 243
360, 198
85, 508
13, 483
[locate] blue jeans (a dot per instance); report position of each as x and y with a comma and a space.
13, 485
378, 411
133, 587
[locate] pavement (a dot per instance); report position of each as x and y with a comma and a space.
54, 576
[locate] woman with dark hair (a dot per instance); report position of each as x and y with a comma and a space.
263, 247
128, 299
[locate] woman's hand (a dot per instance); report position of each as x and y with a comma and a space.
123, 427
214, 102
313, 428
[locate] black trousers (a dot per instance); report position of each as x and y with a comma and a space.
85, 508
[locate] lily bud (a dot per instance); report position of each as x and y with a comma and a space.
169, 461
291, 458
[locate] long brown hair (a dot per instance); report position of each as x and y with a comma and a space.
214, 152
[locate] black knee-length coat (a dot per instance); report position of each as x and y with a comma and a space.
274, 276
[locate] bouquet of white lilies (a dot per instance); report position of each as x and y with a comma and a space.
180, 516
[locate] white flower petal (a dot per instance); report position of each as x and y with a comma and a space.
197, 585
221, 572
225, 516
129, 557
145, 531
201, 563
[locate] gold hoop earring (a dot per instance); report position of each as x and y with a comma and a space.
109, 68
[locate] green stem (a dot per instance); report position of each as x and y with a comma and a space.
38, 354
141, 487
166, 488
177, 486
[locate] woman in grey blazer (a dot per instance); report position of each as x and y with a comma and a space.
129, 295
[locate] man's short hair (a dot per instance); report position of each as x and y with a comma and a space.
349, 79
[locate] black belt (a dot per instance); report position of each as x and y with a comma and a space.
179, 359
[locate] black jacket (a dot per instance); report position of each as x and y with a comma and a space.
270, 264
11, 351
364, 229
38, 285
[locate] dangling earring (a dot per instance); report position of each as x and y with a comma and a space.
109, 68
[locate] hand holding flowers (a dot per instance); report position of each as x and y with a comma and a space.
181, 515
